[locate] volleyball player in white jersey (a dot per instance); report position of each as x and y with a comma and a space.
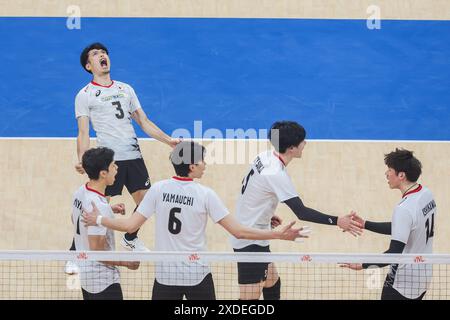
99, 280
110, 106
181, 207
267, 184
411, 229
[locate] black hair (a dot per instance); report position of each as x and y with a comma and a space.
95, 160
286, 134
184, 154
85, 53
402, 160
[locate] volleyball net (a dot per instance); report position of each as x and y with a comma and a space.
41, 274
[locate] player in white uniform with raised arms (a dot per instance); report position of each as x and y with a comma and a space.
110, 105
411, 228
266, 184
99, 280
181, 207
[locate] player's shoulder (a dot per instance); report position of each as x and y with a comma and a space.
85, 90
80, 191
160, 184
122, 85
91, 195
206, 191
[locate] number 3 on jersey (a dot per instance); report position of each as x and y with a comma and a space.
121, 114
174, 222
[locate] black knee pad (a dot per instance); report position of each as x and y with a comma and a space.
273, 293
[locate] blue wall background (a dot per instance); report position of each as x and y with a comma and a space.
336, 77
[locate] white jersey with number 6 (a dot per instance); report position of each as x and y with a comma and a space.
413, 223
266, 184
181, 209
109, 110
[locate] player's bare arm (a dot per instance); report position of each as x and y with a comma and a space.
98, 243
130, 224
82, 141
242, 232
152, 129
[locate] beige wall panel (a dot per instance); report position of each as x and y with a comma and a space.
330, 9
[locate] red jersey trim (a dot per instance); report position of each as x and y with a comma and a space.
99, 85
182, 179
90, 189
413, 191
278, 156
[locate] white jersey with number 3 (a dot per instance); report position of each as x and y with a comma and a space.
266, 184
181, 209
413, 223
109, 110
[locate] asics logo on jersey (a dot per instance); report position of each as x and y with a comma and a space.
147, 182
98, 93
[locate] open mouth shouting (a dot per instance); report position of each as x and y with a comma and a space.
103, 62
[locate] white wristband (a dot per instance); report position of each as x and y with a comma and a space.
99, 220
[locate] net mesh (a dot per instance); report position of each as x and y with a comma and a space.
41, 274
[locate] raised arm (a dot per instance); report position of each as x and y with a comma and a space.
152, 129
82, 141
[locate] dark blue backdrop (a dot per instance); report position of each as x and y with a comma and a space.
336, 77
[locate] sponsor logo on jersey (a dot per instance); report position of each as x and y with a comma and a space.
98, 93
113, 97
147, 182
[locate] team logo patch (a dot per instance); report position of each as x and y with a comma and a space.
98, 93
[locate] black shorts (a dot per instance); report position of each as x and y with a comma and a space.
389, 293
252, 272
113, 292
203, 291
131, 173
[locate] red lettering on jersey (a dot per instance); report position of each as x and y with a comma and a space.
419, 259
194, 257
306, 258
82, 256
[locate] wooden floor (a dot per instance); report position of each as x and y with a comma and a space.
334, 177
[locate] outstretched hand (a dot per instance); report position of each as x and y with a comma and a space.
350, 223
353, 266
289, 233
90, 218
